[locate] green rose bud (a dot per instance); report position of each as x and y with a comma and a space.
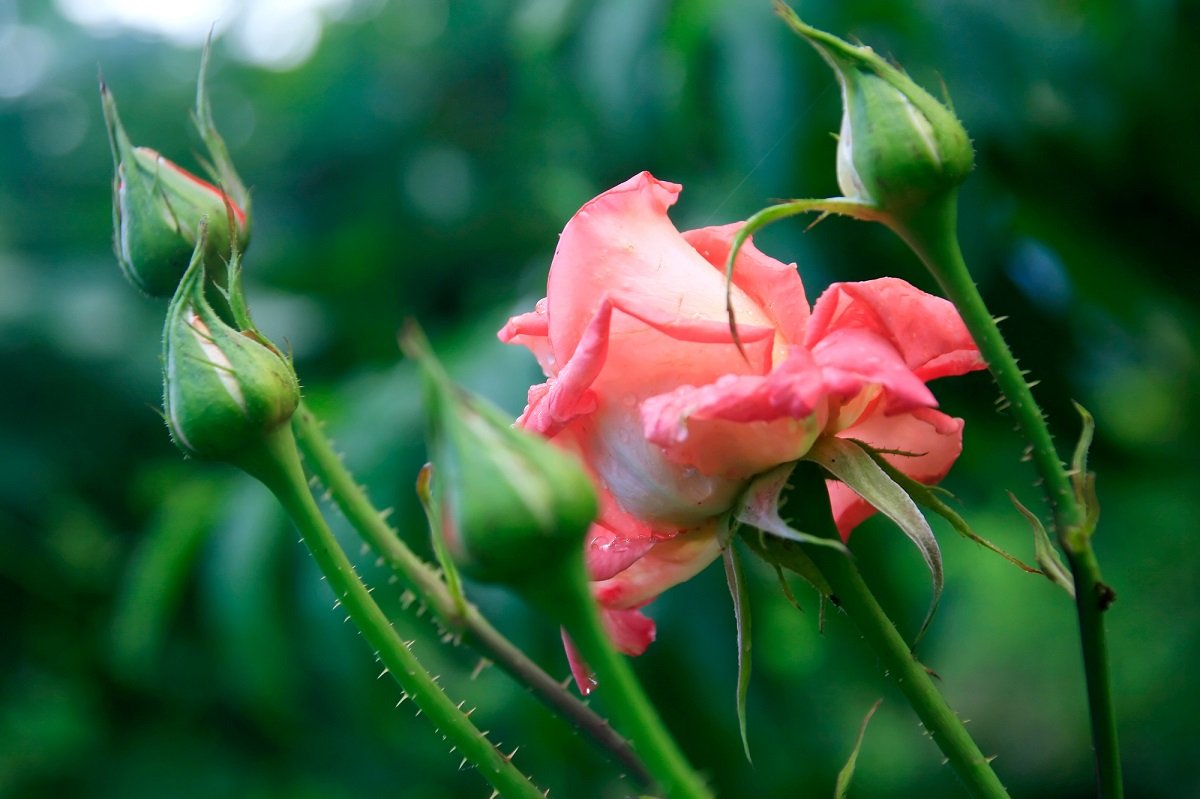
898, 147
512, 505
223, 389
158, 209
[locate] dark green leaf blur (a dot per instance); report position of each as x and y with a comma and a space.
163, 634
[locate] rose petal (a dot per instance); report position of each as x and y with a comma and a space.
739, 426
783, 412
774, 286
926, 330
623, 243
532, 330
637, 369
668, 563
585, 681
631, 632
852, 359
608, 553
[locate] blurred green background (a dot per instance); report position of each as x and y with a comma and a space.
165, 635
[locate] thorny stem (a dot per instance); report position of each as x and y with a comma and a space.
564, 596
424, 580
851, 594
276, 463
932, 235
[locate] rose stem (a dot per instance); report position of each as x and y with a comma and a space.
565, 597
932, 235
852, 595
276, 463
352, 500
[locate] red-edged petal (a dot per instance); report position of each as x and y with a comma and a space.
532, 330
738, 426
585, 680
661, 355
609, 553
926, 330
617, 539
774, 286
631, 632
668, 563
852, 359
622, 242
930, 440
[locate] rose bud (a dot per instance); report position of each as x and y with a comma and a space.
158, 208
223, 389
898, 147
512, 505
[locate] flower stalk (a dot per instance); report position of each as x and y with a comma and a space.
350, 497
563, 595
932, 235
276, 463
854, 597
845, 587
897, 138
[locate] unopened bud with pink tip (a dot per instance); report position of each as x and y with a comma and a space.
158, 208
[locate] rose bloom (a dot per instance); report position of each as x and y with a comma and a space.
646, 385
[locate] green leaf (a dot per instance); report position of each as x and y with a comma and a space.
157, 575
847, 773
928, 497
849, 462
741, 615
1084, 484
1044, 551
1079, 461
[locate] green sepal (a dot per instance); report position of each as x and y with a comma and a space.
513, 506
1044, 552
842, 787
773, 539
219, 165
857, 209
223, 389
741, 616
776, 541
847, 461
783, 553
759, 508
235, 294
931, 497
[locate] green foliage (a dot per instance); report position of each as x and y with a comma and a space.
421, 163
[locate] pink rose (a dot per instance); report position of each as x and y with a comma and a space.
645, 383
